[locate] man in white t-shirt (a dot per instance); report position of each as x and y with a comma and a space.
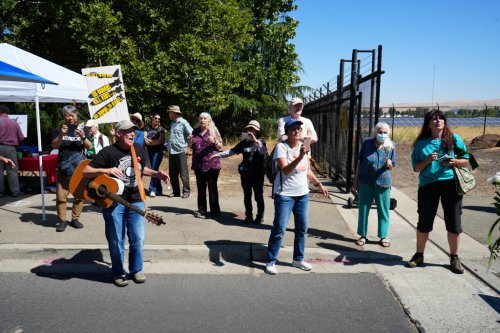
295, 107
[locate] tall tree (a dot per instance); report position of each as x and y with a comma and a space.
231, 57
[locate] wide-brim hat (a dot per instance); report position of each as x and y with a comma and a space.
174, 109
292, 122
253, 124
138, 116
125, 125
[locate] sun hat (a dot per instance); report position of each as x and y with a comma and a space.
138, 116
291, 122
124, 125
174, 109
253, 124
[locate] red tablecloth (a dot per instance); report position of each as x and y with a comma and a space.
49, 164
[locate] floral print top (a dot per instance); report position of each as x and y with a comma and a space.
202, 150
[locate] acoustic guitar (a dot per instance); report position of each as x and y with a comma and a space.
104, 191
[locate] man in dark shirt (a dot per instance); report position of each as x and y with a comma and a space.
116, 161
10, 137
71, 140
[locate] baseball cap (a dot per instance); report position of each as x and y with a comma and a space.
291, 122
124, 125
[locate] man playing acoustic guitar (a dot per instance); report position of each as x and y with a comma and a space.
116, 161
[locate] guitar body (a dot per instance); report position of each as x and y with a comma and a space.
94, 189
104, 191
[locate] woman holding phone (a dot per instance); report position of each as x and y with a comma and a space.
251, 169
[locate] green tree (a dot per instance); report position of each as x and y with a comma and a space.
231, 58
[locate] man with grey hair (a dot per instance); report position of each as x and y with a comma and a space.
295, 107
97, 139
10, 137
120, 221
71, 140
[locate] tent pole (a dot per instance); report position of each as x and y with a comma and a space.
39, 137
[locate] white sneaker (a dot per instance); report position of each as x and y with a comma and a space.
302, 265
271, 268
152, 194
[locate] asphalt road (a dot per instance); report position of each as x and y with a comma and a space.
201, 303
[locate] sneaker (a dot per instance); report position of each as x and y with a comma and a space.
258, 219
199, 214
416, 260
61, 226
152, 194
271, 268
139, 277
120, 281
302, 265
76, 224
456, 265
18, 194
185, 196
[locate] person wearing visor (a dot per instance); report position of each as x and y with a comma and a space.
291, 194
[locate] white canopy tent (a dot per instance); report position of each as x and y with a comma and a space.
70, 87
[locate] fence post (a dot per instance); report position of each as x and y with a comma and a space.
485, 114
379, 74
352, 101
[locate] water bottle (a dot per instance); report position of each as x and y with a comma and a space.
81, 126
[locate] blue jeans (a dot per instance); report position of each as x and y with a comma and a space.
120, 221
283, 207
155, 157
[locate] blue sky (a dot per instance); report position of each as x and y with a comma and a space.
459, 40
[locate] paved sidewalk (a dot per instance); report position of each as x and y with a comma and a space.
430, 295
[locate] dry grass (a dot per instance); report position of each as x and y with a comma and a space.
408, 134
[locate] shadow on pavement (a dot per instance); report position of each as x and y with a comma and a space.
235, 252
485, 209
85, 265
492, 301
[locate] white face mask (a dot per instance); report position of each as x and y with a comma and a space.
381, 137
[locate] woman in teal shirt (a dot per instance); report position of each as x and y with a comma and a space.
433, 157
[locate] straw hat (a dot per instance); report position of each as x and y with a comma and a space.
253, 124
138, 116
174, 109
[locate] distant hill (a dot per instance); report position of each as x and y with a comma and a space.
447, 106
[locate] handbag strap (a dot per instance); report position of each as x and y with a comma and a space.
137, 174
461, 152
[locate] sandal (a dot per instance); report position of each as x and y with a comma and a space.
384, 242
361, 241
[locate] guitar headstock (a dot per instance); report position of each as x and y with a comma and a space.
154, 218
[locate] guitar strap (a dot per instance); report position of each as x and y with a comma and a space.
137, 174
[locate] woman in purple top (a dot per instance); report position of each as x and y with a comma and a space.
205, 142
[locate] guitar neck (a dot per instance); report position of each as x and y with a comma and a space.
124, 202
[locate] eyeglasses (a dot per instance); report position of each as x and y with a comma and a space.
296, 129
